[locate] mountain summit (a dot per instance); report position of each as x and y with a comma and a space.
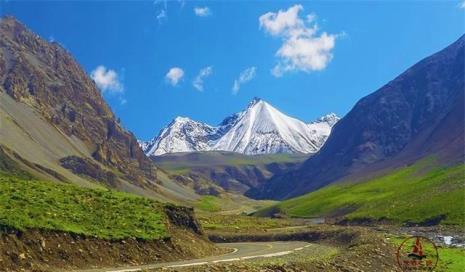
259, 129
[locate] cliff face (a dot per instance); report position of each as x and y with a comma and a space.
44, 76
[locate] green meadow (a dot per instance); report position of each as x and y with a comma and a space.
32, 204
415, 194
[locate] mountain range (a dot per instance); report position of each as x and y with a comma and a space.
419, 114
56, 125
259, 129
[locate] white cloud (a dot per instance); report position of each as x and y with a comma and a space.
202, 11
303, 48
203, 73
161, 15
161, 10
244, 77
106, 80
276, 23
462, 5
174, 75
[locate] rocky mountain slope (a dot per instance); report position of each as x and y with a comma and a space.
418, 114
55, 122
259, 129
211, 173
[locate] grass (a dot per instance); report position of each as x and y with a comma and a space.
228, 204
184, 161
451, 259
31, 204
267, 159
209, 204
411, 194
241, 223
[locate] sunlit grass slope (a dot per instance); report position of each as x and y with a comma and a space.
414, 194
26, 204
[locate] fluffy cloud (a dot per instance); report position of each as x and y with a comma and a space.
106, 80
277, 23
198, 80
174, 75
244, 77
303, 48
202, 11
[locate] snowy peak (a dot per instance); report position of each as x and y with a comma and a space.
181, 119
262, 129
259, 129
181, 135
255, 101
330, 118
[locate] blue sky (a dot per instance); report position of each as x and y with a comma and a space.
242, 50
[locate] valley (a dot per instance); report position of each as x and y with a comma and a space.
213, 172
260, 191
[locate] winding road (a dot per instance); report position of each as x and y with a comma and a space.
241, 251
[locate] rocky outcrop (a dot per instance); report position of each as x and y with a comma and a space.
183, 217
86, 167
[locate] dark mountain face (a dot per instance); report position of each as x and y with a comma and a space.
45, 77
418, 114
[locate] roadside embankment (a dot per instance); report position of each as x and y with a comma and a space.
45, 225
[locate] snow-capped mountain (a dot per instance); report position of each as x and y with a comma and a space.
260, 129
181, 135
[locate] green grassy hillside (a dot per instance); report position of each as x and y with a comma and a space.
26, 204
414, 194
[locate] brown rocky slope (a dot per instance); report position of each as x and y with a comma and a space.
46, 77
54, 119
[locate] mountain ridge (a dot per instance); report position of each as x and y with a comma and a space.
418, 114
259, 129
